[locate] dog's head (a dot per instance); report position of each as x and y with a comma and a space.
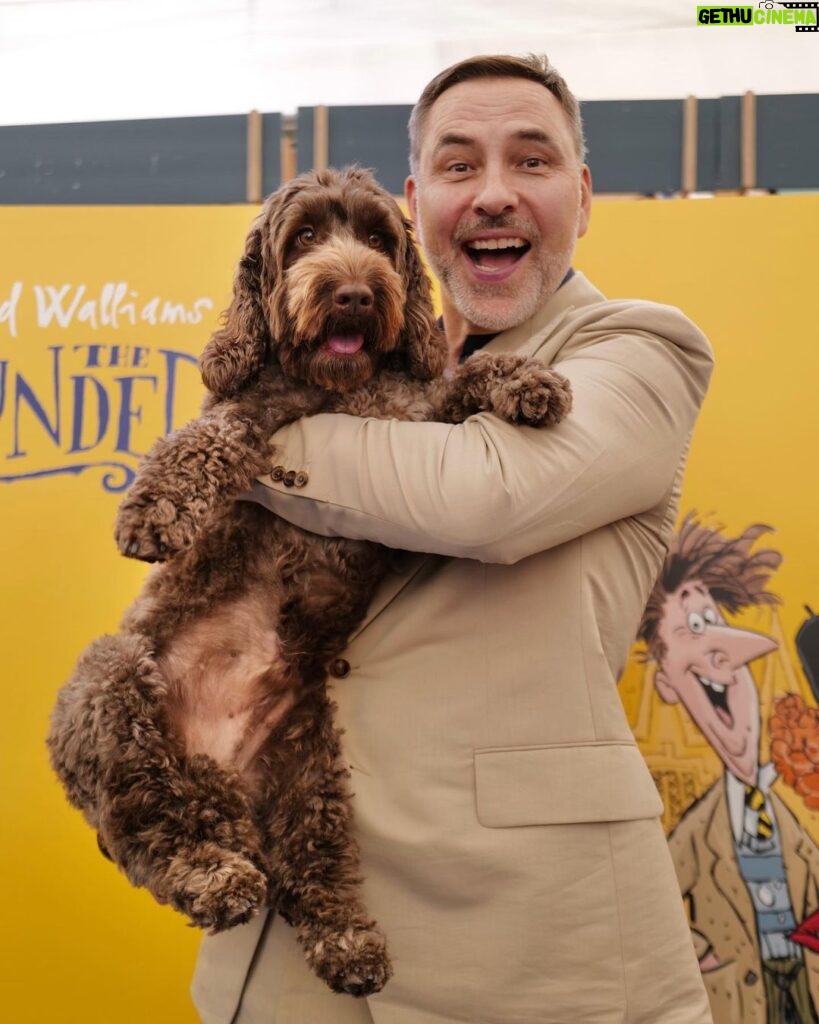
331, 284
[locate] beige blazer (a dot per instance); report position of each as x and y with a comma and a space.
507, 822
722, 914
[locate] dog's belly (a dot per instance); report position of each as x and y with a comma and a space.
227, 684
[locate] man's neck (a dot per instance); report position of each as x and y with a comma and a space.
456, 331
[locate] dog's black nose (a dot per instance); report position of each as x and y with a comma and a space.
353, 298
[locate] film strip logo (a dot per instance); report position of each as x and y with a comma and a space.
803, 7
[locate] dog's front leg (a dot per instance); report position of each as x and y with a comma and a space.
183, 479
513, 387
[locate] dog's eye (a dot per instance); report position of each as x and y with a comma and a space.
306, 236
376, 240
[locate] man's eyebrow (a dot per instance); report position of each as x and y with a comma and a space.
453, 139
524, 135
535, 135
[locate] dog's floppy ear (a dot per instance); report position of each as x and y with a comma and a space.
236, 351
422, 340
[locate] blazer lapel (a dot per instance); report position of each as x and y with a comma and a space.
720, 841
404, 568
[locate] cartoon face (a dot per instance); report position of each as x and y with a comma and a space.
705, 667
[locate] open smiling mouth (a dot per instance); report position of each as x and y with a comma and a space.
496, 253
718, 695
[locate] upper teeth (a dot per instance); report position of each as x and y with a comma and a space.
497, 243
716, 687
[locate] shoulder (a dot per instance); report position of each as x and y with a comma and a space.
645, 340
589, 316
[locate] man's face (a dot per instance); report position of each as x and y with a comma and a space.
500, 198
705, 667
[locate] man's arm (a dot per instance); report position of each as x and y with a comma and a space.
491, 491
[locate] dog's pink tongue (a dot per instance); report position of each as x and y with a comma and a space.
345, 344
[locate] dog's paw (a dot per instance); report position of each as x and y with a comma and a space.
536, 396
513, 387
354, 961
154, 531
217, 890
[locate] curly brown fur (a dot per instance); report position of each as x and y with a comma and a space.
200, 740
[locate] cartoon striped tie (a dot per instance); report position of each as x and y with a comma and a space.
755, 801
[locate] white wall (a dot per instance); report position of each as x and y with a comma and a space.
65, 60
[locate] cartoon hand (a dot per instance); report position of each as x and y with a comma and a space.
710, 962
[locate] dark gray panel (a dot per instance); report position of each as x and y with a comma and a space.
177, 160
728, 153
374, 137
371, 136
271, 152
787, 137
707, 144
634, 146
304, 139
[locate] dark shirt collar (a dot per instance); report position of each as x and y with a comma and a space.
475, 342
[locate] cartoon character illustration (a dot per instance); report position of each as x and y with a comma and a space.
747, 869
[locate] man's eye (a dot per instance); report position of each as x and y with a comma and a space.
696, 623
459, 168
710, 616
306, 236
376, 240
532, 163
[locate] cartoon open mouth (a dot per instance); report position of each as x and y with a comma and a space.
717, 694
496, 253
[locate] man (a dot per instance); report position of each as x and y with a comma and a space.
508, 826
748, 870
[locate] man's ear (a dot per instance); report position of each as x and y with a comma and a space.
664, 688
410, 196
585, 201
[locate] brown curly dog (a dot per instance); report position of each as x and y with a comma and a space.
199, 741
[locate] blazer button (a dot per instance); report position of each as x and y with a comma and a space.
289, 478
751, 978
340, 668
277, 473
301, 479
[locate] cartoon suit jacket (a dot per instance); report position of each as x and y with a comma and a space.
508, 825
720, 908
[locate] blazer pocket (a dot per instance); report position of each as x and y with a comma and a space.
563, 784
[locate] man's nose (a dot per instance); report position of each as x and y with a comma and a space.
496, 194
729, 649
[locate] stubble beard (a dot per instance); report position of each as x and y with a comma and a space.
516, 300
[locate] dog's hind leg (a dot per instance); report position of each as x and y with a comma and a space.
183, 830
314, 858
179, 827
80, 741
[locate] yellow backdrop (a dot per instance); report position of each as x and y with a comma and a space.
99, 308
